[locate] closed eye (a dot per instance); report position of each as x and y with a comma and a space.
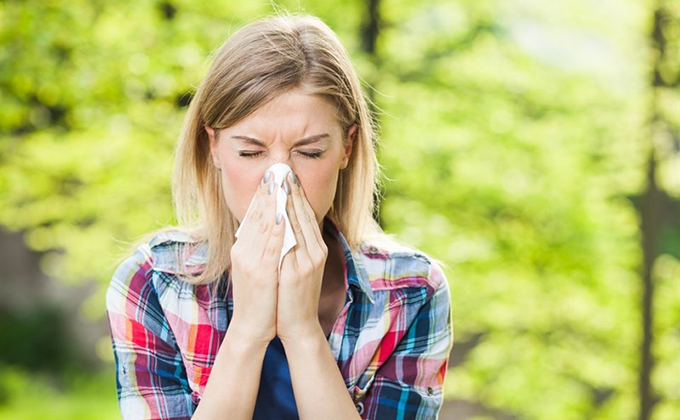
310, 155
249, 154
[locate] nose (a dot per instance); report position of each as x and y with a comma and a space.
280, 158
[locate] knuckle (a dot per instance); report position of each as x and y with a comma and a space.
306, 267
262, 227
256, 215
270, 251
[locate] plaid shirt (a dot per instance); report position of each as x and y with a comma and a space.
391, 340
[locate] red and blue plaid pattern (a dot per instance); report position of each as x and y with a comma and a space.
391, 340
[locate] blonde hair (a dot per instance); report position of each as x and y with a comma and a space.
258, 62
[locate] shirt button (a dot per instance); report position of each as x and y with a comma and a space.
360, 407
195, 397
372, 250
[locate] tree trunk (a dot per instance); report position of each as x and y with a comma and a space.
650, 218
370, 29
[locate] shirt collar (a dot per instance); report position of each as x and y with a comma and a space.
356, 273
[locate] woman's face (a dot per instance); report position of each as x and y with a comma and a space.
297, 129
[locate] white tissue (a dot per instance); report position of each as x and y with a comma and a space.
279, 171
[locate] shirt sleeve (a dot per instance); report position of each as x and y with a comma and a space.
409, 384
150, 377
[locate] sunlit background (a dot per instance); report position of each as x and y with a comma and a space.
532, 145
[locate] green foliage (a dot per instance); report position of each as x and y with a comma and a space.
515, 135
37, 340
25, 396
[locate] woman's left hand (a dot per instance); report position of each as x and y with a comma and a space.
301, 271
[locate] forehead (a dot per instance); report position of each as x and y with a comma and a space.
295, 112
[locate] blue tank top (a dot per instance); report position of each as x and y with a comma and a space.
275, 398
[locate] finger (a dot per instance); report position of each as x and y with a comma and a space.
312, 215
300, 249
274, 244
253, 213
261, 218
307, 219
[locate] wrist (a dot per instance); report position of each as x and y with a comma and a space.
244, 337
304, 336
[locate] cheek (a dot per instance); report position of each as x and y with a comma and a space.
319, 188
240, 184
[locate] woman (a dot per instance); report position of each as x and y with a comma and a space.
203, 324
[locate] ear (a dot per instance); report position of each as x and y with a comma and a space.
351, 134
213, 144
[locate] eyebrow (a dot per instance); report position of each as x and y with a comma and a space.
302, 142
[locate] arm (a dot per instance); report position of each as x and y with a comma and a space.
234, 382
150, 385
151, 381
317, 382
409, 384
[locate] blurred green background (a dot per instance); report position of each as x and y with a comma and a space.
532, 145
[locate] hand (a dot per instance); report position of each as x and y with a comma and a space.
301, 271
254, 264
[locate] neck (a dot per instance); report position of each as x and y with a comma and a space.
333, 275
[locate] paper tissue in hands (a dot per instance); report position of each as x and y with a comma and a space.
279, 171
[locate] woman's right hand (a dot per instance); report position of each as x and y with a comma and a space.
254, 265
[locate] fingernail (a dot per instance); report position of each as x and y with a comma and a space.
286, 186
295, 179
271, 188
265, 178
279, 218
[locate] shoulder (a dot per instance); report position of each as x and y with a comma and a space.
176, 252
136, 301
407, 334
390, 265
170, 252
132, 273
